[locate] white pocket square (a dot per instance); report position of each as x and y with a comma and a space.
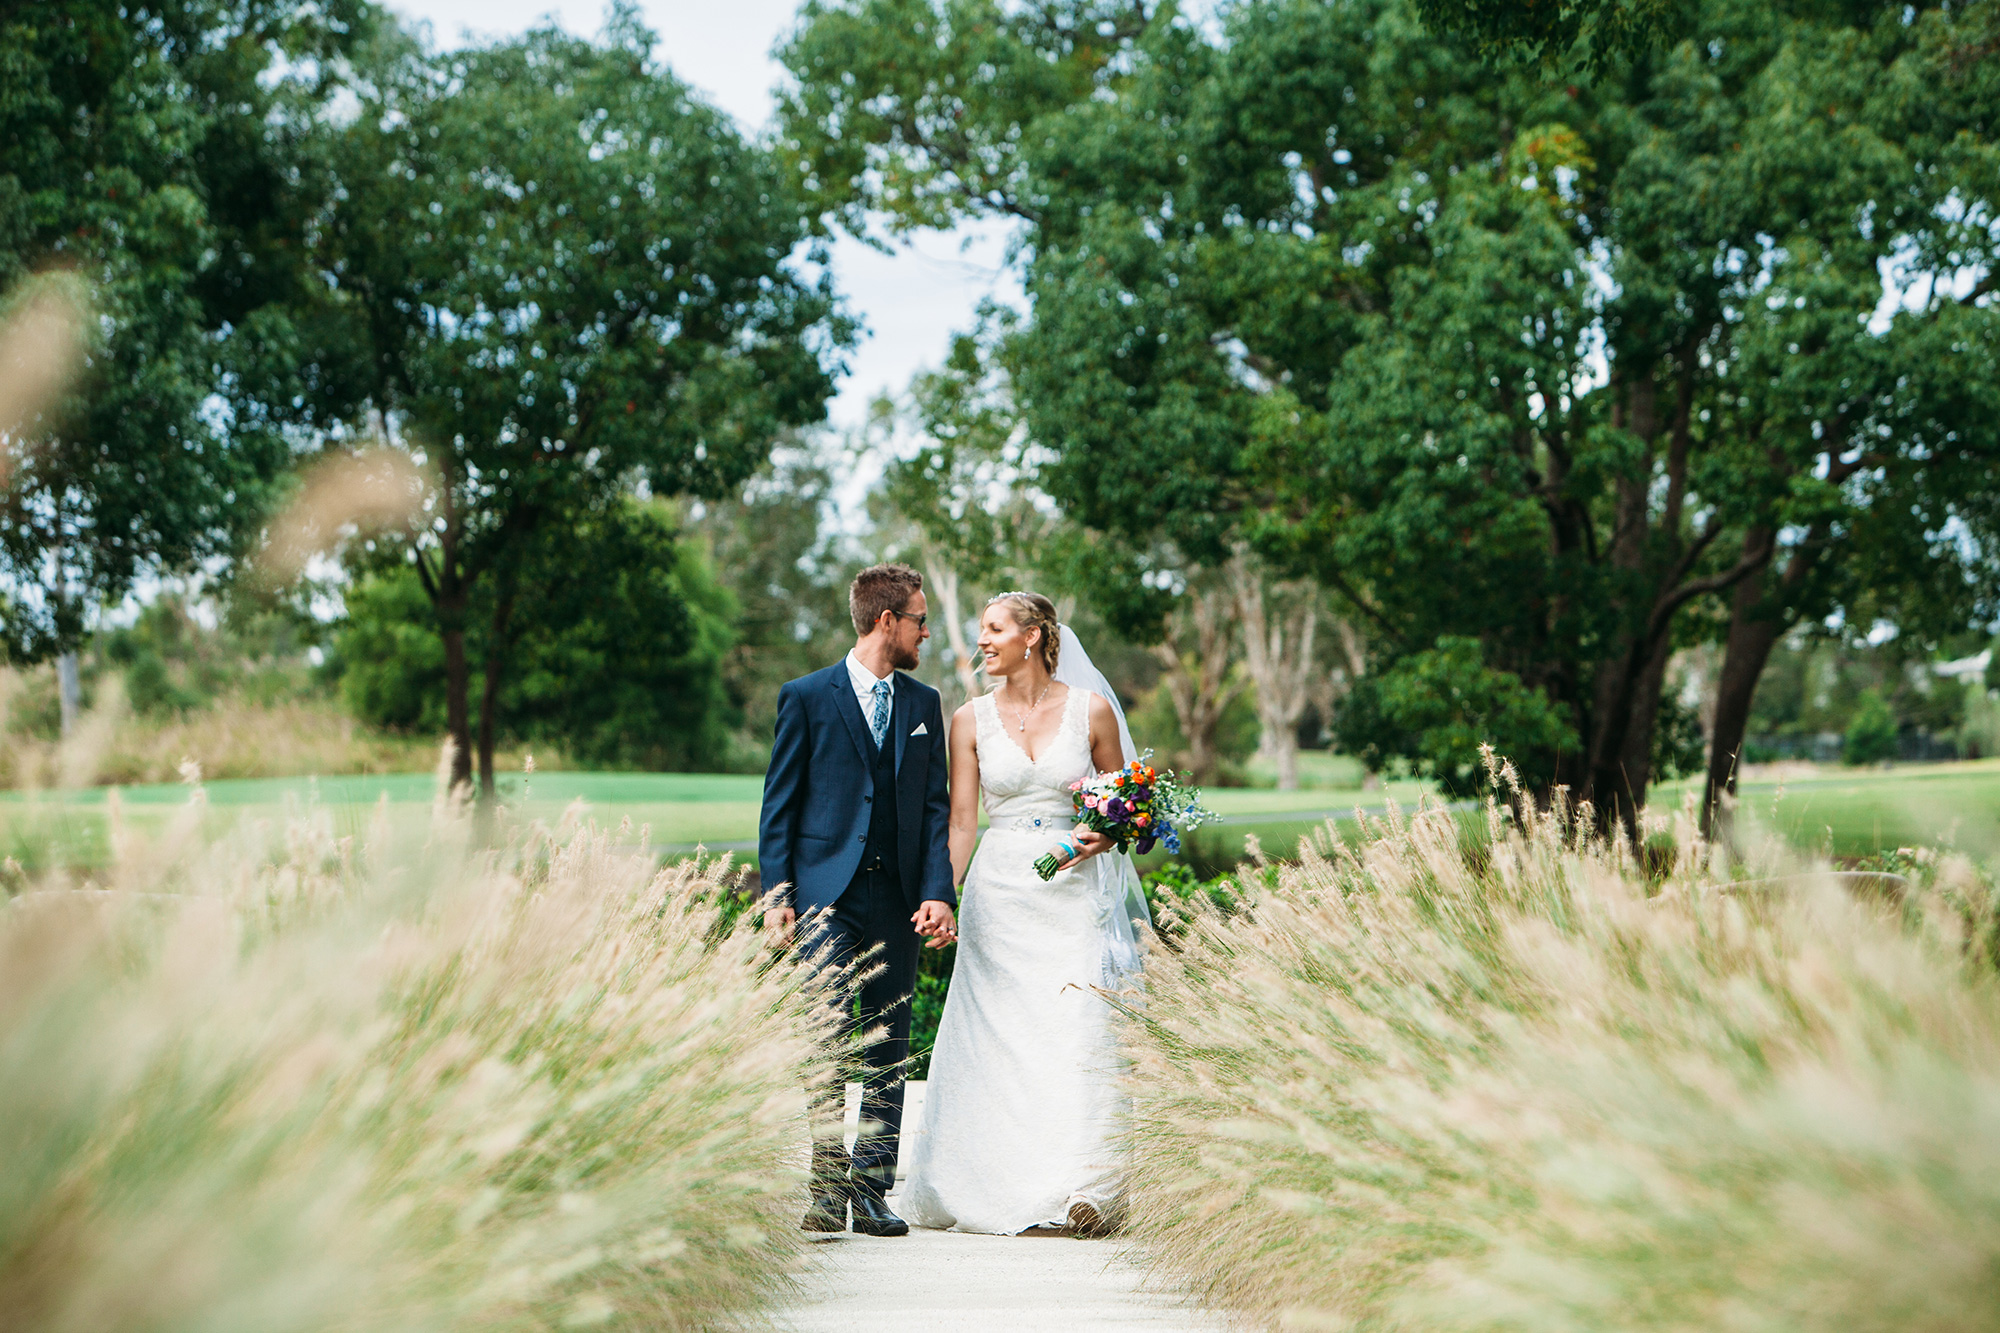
923, 729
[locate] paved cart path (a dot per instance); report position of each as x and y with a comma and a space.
950, 1283
947, 1282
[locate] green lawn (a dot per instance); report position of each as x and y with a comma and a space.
1848, 812
1855, 812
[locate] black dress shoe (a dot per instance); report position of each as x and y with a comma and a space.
873, 1218
827, 1213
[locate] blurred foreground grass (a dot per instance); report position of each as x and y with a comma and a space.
292, 1079
1412, 1088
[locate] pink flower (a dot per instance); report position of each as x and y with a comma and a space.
1090, 801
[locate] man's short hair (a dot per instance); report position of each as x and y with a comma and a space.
881, 588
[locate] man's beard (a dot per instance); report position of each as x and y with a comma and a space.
906, 661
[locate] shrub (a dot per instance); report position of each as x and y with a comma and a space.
1871, 736
332, 1088
1412, 1089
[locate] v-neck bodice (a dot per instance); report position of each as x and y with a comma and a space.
1014, 786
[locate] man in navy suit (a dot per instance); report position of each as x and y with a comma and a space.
852, 839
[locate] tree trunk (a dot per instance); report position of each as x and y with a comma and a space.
943, 580
1197, 661
1754, 629
1642, 719
457, 685
1278, 654
69, 692
489, 698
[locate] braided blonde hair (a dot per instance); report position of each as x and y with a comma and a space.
1031, 610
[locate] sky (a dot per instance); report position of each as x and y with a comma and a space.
910, 303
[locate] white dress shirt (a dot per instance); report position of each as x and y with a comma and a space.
863, 681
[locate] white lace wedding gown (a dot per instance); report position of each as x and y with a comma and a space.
1024, 1103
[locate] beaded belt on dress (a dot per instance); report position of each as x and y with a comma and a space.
1051, 822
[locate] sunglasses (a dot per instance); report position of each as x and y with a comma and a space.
905, 615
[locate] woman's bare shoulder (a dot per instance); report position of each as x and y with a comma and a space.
1100, 708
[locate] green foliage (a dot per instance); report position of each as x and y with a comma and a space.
1437, 707
569, 276
1871, 736
1325, 281
1607, 30
1156, 725
387, 656
166, 157
1816, 684
1679, 747
624, 630
768, 547
927, 1009
919, 109
1176, 886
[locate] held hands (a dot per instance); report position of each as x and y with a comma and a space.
935, 920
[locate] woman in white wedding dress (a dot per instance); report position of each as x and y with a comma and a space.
1023, 1107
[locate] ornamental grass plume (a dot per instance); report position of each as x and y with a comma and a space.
305, 1084
1424, 1083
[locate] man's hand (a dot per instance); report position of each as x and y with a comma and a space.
778, 923
935, 920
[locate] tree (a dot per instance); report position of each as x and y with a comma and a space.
1280, 625
1871, 736
164, 156
773, 551
1330, 284
618, 642
571, 279
1605, 29
1198, 659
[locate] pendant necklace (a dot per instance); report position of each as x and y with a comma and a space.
1032, 708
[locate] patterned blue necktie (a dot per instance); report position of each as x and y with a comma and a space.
879, 724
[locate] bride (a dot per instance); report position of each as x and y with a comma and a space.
1024, 1105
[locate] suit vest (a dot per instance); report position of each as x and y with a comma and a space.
882, 846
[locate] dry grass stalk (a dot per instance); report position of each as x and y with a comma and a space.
1413, 1088
41, 349
300, 1084
372, 490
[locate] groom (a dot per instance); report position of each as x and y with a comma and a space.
853, 838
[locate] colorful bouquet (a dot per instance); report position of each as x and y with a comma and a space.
1137, 806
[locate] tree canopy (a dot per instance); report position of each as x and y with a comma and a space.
161, 155
569, 280
1536, 375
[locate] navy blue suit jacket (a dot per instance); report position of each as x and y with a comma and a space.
818, 788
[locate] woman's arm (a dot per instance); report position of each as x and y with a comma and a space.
964, 792
1107, 753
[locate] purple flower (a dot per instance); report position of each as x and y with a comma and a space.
1141, 796
1115, 809
1144, 845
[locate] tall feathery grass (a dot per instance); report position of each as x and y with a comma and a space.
318, 1085
1416, 1085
